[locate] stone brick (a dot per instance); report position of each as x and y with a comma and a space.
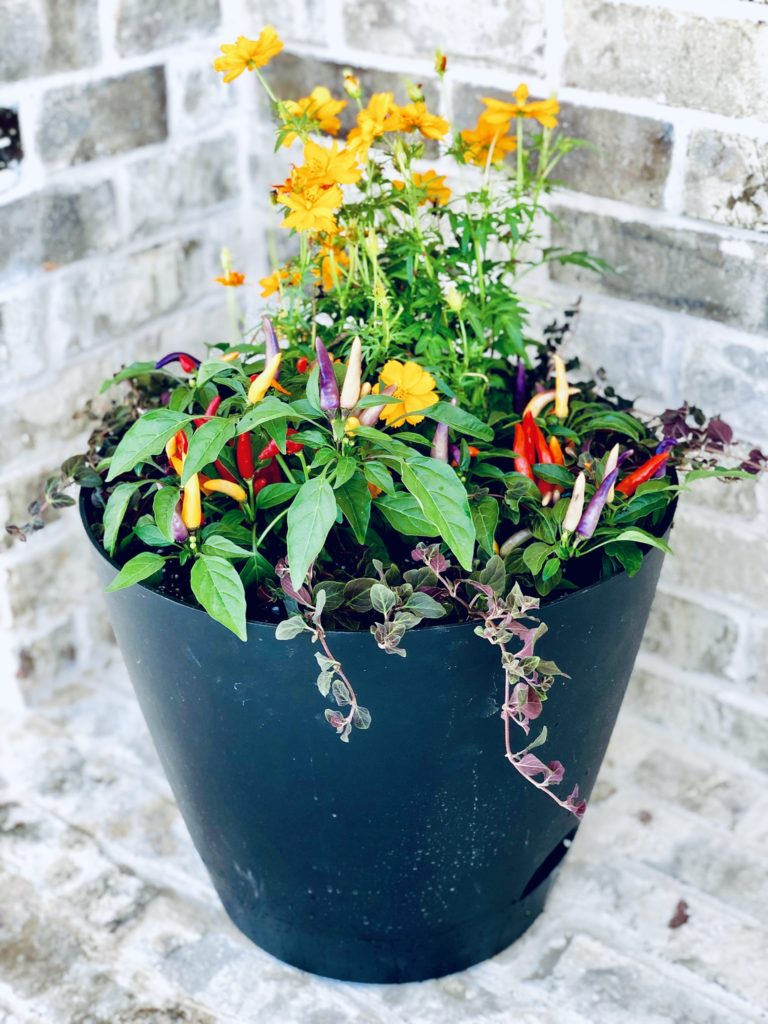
56, 226
47, 36
506, 32
198, 98
618, 347
726, 180
681, 59
46, 656
724, 725
723, 375
685, 271
690, 636
22, 335
163, 188
81, 123
143, 25
626, 157
718, 558
302, 21
33, 583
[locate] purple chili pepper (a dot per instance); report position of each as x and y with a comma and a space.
177, 357
521, 386
588, 521
455, 454
439, 449
369, 416
664, 446
271, 346
329, 387
179, 531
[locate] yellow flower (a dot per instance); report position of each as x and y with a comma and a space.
275, 281
319, 107
433, 184
248, 53
372, 121
232, 279
326, 167
543, 111
414, 387
312, 209
416, 117
479, 140
331, 267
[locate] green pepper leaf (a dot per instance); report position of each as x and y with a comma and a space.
163, 507
345, 470
219, 589
139, 568
354, 500
218, 544
535, 555
129, 372
485, 515
114, 513
147, 437
310, 519
275, 494
378, 475
403, 513
460, 420
553, 474
269, 408
443, 500
207, 441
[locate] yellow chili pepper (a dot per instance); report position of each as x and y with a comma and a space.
232, 490
561, 389
542, 399
261, 384
229, 356
191, 508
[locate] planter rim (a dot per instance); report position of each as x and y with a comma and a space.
270, 626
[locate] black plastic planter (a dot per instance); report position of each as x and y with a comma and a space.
415, 850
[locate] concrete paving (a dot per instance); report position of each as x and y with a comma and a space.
658, 915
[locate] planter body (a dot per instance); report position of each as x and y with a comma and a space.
413, 851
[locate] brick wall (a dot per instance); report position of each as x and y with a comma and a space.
138, 165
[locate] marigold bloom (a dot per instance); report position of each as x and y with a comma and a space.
232, 279
313, 209
414, 387
248, 53
320, 107
416, 117
352, 86
479, 140
433, 184
543, 111
275, 281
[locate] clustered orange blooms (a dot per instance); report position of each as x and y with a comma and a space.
312, 193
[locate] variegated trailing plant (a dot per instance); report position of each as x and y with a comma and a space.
393, 445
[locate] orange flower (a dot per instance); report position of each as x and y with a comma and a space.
414, 389
378, 117
324, 168
275, 281
248, 53
319, 107
479, 141
543, 111
331, 267
312, 209
433, 184
232, 279
416, 117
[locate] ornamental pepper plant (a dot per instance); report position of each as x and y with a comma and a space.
391, 445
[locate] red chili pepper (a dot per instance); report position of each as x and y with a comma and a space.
187, 364
529, 445
270, 474
271, 450
244, 456
630, 483
522, 465
301, 364
557, 452
182, 444
535, 439
224, 473
213, 405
